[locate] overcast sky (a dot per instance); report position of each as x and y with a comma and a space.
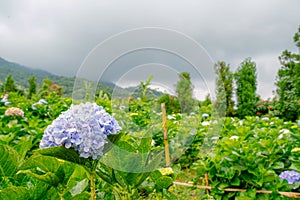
58, 35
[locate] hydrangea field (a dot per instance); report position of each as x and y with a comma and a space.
115, 149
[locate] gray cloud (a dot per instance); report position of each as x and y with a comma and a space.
58, 35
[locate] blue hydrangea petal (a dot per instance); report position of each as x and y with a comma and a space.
83, 127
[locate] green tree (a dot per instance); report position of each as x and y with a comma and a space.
32, 86
143, 88
245, 78
9, 85
224, 89
288, 82
184, 91
171, 102
45, 90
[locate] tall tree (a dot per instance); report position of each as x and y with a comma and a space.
184, 91
45, 90
9, 85
32, 86
224, 89
288, 82
246, 83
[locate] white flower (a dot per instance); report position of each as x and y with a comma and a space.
205, 123
272, 123
170, 117
285, 131
205, 115
152, 142
234, 137
215, 138
122, 107
241, 122
265, 118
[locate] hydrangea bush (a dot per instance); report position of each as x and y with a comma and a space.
84, 127
292, 177
14, 112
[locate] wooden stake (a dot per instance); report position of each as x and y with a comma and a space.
164, 119
206, 182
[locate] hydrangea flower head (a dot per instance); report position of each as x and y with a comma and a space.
292, 177
40, 102
14, 112
5, 100
84, 127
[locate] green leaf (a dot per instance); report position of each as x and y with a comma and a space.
126, 146
105, 173
13, 192
236, 182
5, 139
119, 178
141, 178
82, 196
23, 146
145, 145
49, 177
43, 163
9, 161
112, 140
169, 195
66, 154
278, 165
39, 190
155, 175
79, 187
295, 166
163, 182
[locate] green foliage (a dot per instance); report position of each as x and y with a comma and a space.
246, 82
250, 154
9, 85
224, 89
32, 87
247, 153
45, 89
184, 91
288, 83
9, 161
171, 102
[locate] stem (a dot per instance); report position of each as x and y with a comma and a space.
93, 185
92, 177
61, 196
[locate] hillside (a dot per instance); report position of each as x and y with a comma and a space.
21, 74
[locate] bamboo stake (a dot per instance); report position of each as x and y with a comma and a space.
164, 119
287, 194
206, 182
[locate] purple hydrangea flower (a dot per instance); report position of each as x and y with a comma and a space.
40, 102
84, 127
292, 177
5, 100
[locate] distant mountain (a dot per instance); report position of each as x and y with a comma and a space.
21, 74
